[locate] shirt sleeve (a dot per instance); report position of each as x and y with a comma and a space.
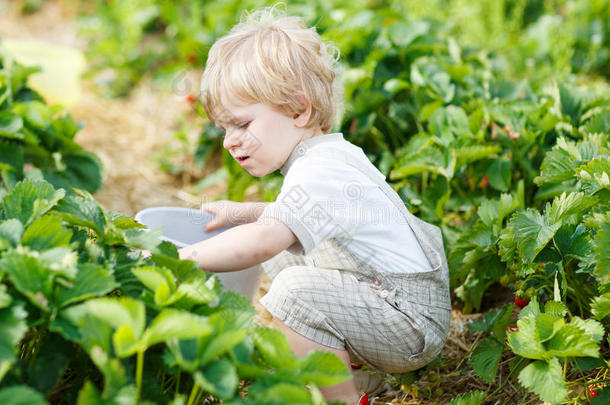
312, 202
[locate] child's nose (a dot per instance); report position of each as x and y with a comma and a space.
231, 140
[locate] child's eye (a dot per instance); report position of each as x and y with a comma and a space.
244, 125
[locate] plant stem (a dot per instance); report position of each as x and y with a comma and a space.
177, 383
139, 369
518, 363
193, 394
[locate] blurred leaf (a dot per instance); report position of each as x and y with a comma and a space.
14, 327
499, 174
91, 281
219, 378
30, 199
21, 395
175, 324
82, 210
274, 349
45, 233
323, 369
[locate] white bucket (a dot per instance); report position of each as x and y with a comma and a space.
184, 227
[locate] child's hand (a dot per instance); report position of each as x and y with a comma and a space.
226, 213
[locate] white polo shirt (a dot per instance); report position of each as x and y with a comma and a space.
322, 198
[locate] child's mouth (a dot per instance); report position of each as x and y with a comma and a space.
243, 158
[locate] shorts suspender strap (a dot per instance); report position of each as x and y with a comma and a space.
428, 236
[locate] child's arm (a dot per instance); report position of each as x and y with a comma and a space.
241, 247
229, 213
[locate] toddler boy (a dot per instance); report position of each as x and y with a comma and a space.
353, 272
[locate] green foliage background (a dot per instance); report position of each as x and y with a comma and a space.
491, 118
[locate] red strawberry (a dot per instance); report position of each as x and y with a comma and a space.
192, 58
484, 183
190, 99
520, 302
591, 392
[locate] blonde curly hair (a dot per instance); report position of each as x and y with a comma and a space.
274, 59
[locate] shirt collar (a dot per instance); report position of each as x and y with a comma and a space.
307, 144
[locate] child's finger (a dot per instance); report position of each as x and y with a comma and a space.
212, 225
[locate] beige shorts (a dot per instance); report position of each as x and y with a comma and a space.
328, 298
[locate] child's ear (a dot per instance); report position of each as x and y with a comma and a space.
301, 120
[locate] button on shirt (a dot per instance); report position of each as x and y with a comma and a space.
323, 198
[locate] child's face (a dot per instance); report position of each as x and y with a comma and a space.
263, 135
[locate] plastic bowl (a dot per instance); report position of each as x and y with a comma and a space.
184, 227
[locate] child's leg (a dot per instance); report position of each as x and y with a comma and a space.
300, 345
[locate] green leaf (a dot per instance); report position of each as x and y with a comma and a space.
123, 222
591, 327
470, 398
111, 369
602, 254
218, 345
499, 174
285, 393
14, 327
11, 230
322, 369
274, 348
148, 240
61, 260
557, 166
600, 306
573, 242
83, 170
185, 352
5, 298
118, 312
45, 233
567, 205
558, 309
30, 277
219, 378
153, 277
30, 199
545, 379
496, 321
572, 341
532, 232
75, 323
54, 354
91, 281
21, 395
486, 358
35, 113
10, 124
11, 163
232, 300
449, 123
89, 395
82, 210
473, 153
524, 342
595, 175
176, 324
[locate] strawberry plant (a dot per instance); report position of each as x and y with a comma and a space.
37, 136
84, 318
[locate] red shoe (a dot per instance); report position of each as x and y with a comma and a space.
364, 400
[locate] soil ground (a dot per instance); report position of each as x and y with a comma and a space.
126, 132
